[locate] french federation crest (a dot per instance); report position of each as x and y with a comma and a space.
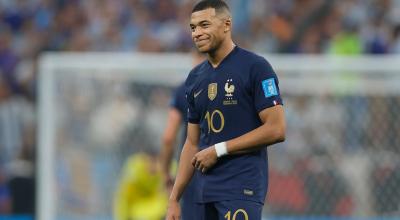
212, 91
229, 88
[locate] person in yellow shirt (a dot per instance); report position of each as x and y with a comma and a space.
141, 194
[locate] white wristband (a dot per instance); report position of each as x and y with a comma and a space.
221, 149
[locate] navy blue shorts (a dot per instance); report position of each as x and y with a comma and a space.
188, 202
229, 210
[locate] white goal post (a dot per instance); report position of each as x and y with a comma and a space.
309, 76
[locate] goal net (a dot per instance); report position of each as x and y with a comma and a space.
340, 158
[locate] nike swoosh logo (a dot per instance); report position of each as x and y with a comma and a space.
197, 93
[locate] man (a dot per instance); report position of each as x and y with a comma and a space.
176, 119
234, 112
140, 193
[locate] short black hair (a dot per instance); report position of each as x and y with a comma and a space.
218, 5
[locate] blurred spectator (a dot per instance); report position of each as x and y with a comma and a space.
8, 59
356, 122
22, 179
5, 197
347, 41
300, 26
287, 195
379, 124
386, 177
395, 45
15, 114
112, 117
326, 189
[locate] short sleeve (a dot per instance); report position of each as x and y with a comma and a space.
174, 99
178, 100
265, 86
192, 115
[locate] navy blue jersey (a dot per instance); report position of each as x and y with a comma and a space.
179, 102
225, 102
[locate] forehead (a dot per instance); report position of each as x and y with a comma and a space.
206, 14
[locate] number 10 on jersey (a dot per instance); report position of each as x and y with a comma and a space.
210, 121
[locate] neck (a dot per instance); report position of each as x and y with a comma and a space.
215, 57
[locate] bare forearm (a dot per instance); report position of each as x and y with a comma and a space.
253, 140
166, 157
185, 171
264, 135
169, 138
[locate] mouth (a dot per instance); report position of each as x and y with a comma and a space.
200, 43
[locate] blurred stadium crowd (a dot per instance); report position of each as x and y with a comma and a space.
30, 27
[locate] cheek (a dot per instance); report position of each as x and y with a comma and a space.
217, 37
218, 34
214, 35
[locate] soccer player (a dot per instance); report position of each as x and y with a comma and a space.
177, 118
235, 112
140, 193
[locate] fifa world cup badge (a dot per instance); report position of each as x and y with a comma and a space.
212, 91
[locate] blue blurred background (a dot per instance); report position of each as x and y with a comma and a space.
30, 27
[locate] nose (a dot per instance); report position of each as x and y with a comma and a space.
196, 33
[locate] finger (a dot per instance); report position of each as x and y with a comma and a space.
204, 169
201, 167
198, 164
194, 160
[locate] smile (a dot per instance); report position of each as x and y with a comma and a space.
201, 42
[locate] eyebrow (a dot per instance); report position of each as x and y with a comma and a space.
200, 22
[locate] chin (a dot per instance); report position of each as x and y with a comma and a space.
205, 49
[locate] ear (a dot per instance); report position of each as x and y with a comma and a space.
228, 25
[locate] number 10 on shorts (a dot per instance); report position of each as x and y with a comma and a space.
235, 214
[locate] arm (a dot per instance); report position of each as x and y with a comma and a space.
168, 142
185, 170
270, 132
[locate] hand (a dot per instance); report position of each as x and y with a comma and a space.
205, 159
168, 182
174, 210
